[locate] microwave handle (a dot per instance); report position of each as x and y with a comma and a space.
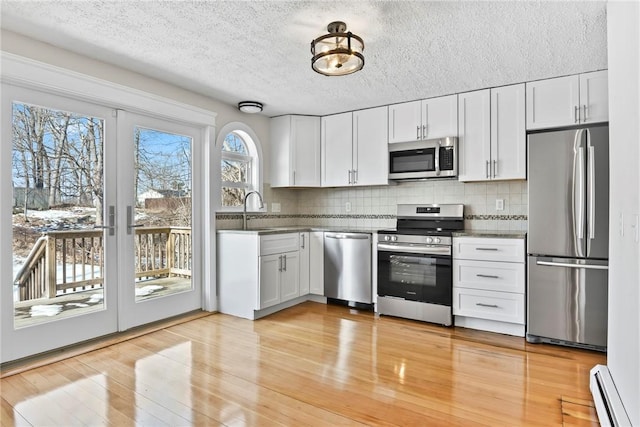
437, 155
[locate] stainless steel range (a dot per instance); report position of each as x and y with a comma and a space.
414, 263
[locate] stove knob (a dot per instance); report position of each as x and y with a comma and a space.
437, 240
429, 240
394, 238
387, 238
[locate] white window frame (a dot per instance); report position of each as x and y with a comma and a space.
252, 142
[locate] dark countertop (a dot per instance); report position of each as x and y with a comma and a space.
503, 234
298, 229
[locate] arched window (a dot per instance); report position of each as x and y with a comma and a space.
239, 167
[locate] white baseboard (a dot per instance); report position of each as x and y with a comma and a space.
609, 406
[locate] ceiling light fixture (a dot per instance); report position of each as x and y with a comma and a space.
250, 107
338, 53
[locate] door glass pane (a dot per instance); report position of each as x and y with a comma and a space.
57, 173
162, 214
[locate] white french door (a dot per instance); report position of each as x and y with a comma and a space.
158, 266
97, 214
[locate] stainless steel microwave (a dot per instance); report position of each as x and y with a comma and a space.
430, 158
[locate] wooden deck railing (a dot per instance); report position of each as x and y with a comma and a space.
70, 261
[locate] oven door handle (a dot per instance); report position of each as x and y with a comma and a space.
414, 249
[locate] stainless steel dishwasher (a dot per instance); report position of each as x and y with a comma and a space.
347, 267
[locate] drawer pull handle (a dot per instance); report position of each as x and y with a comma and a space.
486, 249
487, 276
487, 305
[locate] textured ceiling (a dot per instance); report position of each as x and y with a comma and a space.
259, 50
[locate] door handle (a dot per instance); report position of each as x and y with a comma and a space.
584, 112
424, 131
417, 132
495, 168
111, 221
302, 246
284, 257
569, 265
488, 169
280, 263
576, 114
130, 224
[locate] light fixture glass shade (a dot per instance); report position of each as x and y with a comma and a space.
337, 53
250, 107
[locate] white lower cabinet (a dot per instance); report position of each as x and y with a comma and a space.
305, 262
316, 263
489, 284
258, 272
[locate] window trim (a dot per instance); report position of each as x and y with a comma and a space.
255, 151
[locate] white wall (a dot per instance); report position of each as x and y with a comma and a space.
20, 45
623, 359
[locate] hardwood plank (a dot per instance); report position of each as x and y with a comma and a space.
312, 365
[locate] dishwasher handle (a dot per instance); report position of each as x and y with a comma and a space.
358, 236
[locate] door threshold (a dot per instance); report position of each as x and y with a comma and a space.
17, 366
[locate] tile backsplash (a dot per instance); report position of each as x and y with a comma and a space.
375, 207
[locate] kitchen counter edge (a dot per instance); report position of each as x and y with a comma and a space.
505, 234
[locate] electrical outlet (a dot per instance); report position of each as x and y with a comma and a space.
347, 207
499, 204
275, 207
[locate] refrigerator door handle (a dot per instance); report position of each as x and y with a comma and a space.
592, 192
577, 206
569, 265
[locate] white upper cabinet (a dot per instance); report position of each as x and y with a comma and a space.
337, 149
567, 101
354, 148
440, 117
426, 119
370, 152
405, 121
492, 134
295, 152
474, 135
508, 133
594, 97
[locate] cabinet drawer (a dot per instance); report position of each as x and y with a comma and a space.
488, 249
278, 243
499, 306
489, 275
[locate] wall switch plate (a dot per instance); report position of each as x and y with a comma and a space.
275, 207
499, 204
347, 207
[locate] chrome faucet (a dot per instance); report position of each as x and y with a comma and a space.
244, 209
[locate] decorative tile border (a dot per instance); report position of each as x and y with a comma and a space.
229, 216
497, 217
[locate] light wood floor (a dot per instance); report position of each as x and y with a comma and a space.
310, 365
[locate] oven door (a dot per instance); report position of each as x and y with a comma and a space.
414, 276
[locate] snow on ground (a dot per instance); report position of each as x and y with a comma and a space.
60, 214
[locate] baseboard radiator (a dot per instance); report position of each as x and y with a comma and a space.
608, 404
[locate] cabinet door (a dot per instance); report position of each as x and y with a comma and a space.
553, 102
280, 135
594, 97
370, 151
270, 266
305, 141
304, 263
405, 122
336, 138
440, 117
316, 263
508, 133
474, 136
290, 276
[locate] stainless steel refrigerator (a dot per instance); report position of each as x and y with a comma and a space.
568, 238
